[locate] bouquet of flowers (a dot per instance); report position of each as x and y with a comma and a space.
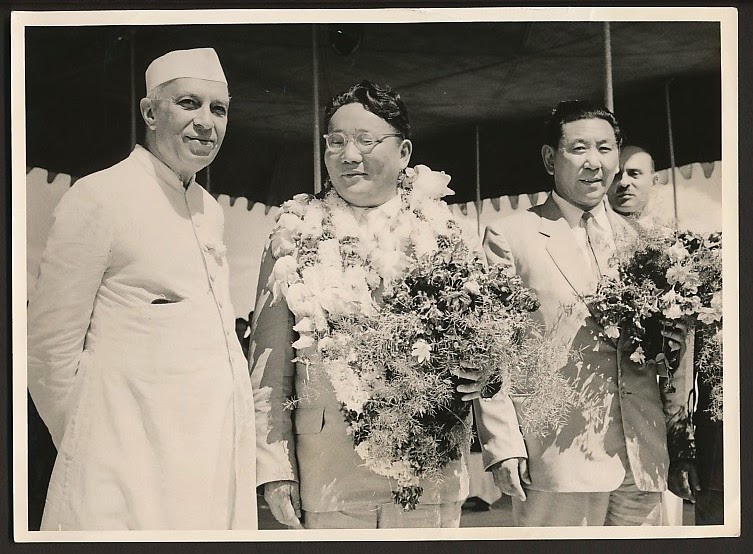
447, 313
666, 277
387, 312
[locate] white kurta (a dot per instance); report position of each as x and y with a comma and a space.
149, 404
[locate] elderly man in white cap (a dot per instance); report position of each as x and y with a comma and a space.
133, 360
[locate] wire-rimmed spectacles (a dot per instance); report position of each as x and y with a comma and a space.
365, 142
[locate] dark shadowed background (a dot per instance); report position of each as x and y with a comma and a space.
83, 85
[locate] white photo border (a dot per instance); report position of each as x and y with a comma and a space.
726, 17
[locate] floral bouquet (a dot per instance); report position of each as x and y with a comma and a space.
665, 277
388, 311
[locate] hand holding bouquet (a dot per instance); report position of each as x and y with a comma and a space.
668, 283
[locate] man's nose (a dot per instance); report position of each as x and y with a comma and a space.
622, 180
203, 118
592, 160
350, 152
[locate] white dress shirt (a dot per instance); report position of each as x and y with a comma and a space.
574, 217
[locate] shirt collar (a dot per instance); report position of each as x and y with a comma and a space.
573, 214
160, 170
389, 209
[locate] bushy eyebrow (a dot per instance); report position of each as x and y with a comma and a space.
194, 96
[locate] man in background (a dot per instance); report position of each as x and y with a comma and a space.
633, 186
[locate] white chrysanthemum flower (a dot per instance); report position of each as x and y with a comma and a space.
612, 331
390, 264
282, 242
714, 312
472, 287
283, 274
288, 221
285, 269
677, 252
345, 224
304, 341
430, 184
329, 253
673, 311
311, 224
638, 356
305, 325
421, 351
424, 242
294, 207
299, 300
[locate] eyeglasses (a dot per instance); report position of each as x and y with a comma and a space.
365, 142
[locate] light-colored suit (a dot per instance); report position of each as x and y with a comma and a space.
310, 443
133, 360
591, 451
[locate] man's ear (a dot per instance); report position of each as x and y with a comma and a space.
655, 179
147, 112
406, 149
547, 156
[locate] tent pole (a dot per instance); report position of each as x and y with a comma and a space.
317, 131
671, 149
134, 100
608, 84
478, 181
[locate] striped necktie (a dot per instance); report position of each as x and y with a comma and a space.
597, 246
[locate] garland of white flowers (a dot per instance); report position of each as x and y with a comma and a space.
329, 266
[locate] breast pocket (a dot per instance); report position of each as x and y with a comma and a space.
160, 312
308, 420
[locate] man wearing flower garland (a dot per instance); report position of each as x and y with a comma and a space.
332, 257
133, 361
606, 465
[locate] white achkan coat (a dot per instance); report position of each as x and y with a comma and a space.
133, 360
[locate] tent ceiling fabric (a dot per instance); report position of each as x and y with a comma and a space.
449, 74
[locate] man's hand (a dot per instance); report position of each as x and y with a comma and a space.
284, 500
470, 386
676, 334
683, 479
508, 475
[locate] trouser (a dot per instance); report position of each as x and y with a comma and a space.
626, 505
709, 507
386, 516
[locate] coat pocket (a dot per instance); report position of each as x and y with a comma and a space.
160, 312
308, 421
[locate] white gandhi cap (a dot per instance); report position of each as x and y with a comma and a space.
198, 63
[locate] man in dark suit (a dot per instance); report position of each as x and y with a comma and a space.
607, 465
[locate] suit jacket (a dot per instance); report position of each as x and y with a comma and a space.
590, 451
310, 443
149, 404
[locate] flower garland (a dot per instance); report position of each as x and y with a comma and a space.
328, 265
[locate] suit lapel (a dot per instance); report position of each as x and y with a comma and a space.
624, 230
562, 248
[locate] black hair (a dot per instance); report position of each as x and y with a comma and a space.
575, 110
380, 100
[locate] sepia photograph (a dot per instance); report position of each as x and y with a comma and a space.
386, 274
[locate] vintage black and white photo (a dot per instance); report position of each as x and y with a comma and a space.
437, 273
